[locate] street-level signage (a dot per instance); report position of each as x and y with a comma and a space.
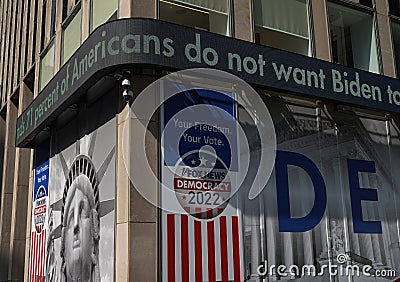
166, 45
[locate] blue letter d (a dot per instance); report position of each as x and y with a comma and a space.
286, 223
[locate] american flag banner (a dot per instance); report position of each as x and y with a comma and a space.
37, 259
201, 225
38, 256
201, 250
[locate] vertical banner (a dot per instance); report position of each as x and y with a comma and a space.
39, 222
205, 158
73, 211
202, 239
82, 209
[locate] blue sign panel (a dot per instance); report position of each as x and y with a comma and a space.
41, 181
188, 129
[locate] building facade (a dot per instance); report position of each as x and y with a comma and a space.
93, 94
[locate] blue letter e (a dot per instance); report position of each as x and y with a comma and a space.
303, 224
358, 194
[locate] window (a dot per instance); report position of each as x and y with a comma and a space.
394, 7
102, 11
282, 24
396, 45
353, 38
68, 7
210, 15
46, 70
71, 36
53, 18
43, 35
367, 3
48, 21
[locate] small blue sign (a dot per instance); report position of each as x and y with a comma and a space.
40, 188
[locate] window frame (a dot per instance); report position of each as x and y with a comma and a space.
230, 10
43, 53
310, 21
394, 20
77, 8
91, 29
363, 9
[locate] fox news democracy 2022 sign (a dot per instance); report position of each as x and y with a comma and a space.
153, 42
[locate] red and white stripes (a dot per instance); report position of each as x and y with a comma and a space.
37, 256
198, 251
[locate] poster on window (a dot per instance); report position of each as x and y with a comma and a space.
39, 226
330, 210
81, 210
202, 238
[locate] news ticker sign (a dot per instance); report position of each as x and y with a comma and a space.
153, 42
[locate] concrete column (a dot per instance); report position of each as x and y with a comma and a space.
85, 19
57, 39
353, 237
287, 237
19, 214
132, 8
31, 41
243, 19
288, 259
339, 169
7, 189
389, 226
320, 27
28, 223
271, 224
6, 55
298, 188
255, 244
20, 200
12, 51
365, 239
3, 48
143, 216
17, 64
137, 220
385, 37
307, 239
121, 205
36, 56
23, 42
47, 21
373, 183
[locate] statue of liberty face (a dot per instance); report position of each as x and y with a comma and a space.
80, 220
78, 233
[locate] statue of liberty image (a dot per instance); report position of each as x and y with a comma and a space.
80, 206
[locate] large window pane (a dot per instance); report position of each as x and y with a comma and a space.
71, 37
102, 11
396, 45
338, 144
209, 15
282, 24
46, 71
353, 38
394, 7
53, 18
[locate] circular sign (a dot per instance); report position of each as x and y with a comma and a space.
201, 184
40, 207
